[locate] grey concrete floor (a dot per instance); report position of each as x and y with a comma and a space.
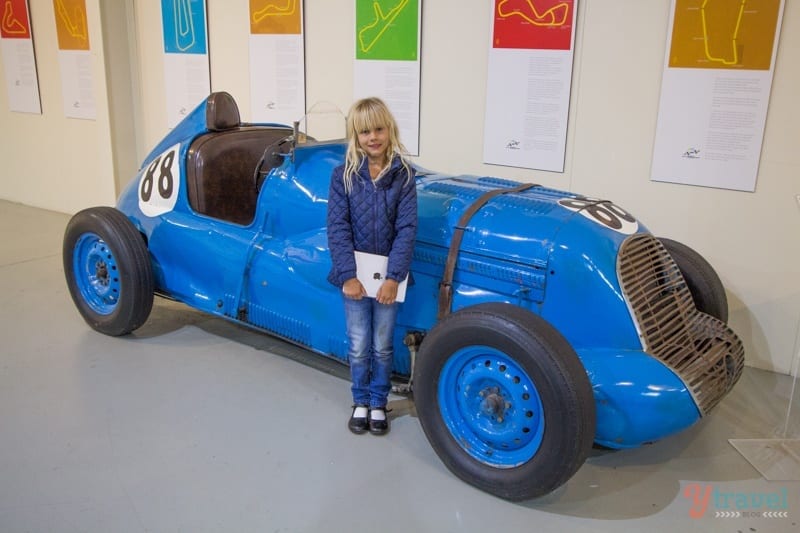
193, 424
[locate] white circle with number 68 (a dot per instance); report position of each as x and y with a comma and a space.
602, 212
160, 182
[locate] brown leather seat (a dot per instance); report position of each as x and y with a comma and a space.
222, 113
220, 164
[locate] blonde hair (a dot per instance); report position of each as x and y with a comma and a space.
368, 114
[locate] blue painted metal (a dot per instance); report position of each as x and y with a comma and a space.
638, 400
583, 296
491, 407
96, 274
525, 249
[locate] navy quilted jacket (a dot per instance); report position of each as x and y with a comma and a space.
376, 217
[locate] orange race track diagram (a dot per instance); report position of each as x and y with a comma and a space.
275, 17
75, 24
272, 10
724, 34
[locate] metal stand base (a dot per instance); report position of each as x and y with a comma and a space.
775, 459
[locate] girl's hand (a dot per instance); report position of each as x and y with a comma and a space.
353, 289
387, 293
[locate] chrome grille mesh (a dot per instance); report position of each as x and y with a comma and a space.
703, 351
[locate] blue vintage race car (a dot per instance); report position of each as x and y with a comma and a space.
540, 321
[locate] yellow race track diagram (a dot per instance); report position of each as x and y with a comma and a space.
10, 24
733, 53
724, 34
273, 10
527, 10
371, 33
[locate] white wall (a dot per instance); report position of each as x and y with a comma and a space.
48, 160
751, 238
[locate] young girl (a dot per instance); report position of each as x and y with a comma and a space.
372, 208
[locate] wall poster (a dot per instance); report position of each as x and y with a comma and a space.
75, 59
187, 76
387, 60
19, 61
529, 83
715, 91
277, 61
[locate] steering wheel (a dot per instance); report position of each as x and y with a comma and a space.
273, 155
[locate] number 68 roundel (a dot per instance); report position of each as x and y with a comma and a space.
602, 212
160, 182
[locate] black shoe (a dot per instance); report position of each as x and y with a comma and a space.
379, 427
357, 425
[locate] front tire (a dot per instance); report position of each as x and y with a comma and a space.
702, 280
504, 400
108, 270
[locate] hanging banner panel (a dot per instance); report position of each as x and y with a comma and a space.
75, 59
19, 61
187, 77
277, 61
715, 92
387, 60
529, 83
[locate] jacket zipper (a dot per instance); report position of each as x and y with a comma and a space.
374, 216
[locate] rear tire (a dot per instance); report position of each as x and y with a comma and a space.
108, 270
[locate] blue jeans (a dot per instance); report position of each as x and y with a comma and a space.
370, 330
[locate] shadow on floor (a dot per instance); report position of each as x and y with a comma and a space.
612, 484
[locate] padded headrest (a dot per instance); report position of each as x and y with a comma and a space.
222, 113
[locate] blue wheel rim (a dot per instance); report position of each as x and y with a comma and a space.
96, 275
491, 407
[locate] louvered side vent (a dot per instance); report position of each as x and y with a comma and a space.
282, 325
703, 351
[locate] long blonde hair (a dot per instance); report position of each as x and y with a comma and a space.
368, 114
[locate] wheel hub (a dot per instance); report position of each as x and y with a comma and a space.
493, 404
101, 271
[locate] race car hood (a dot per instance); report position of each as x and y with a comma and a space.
516, 227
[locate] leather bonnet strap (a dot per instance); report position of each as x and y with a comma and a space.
446, 285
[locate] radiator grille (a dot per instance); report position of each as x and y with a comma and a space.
703, 351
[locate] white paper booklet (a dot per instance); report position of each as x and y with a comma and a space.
371, 272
